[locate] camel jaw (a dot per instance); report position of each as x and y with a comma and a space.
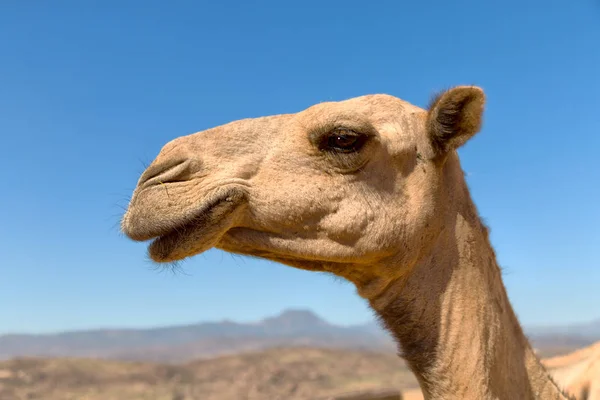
185, 235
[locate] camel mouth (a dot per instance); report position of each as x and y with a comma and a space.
195, 233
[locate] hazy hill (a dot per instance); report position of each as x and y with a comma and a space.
554, 340
181, 343
209, 339
588, 330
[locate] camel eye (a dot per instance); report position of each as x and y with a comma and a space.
344, 141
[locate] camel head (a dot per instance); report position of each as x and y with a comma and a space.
339, 187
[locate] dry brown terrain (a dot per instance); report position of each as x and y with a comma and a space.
285, 373
296, 373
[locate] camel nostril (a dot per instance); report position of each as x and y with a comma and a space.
169, 171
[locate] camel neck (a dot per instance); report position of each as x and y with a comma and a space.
456, 327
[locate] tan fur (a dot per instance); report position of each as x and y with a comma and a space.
395, 218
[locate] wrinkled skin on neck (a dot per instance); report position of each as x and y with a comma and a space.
369, 189
453, 319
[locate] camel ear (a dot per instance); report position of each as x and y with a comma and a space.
454, 117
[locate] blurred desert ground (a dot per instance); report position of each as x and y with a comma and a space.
282, 373
294, 356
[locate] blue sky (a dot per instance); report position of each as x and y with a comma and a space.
90, 91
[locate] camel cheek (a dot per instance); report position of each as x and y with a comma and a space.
348, 224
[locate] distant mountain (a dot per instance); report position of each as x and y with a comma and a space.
554, 340
289, 329
294, 322
208, 339
584, 330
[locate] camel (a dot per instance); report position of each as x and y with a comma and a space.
369, 189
